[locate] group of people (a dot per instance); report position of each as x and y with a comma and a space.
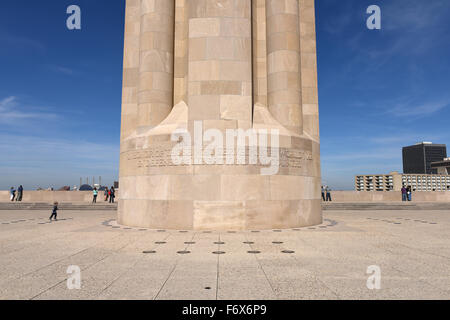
326, 193
13, 195
109, 194
406, 193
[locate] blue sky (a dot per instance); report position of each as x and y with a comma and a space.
60, 90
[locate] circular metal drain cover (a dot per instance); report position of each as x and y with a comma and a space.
189, 242
149, 251
183, 252
277, 242
288, 251
219, 252
254, 251
219, 242
160, 242
248, 242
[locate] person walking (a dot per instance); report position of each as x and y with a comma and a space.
323, 193
409, 192
328, 192
12, 193
404, 193
94, 200
111, 195
54, 211
19, 193
106, 193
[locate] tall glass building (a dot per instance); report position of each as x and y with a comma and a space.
418, 158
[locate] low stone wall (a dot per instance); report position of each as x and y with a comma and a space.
389, 196
337, 196
52, 196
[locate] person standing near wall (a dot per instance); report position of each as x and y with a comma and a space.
328, 191
94, 200
106, 193
19, 193
323, 193
12, 193
409, 193
112, 195
404, 193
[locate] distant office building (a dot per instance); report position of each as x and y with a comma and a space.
442, 167
418, 158
394, 182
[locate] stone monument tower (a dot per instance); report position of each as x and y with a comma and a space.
203, 82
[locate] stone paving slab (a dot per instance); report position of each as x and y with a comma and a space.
412, 249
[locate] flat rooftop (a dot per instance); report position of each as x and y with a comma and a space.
330, 261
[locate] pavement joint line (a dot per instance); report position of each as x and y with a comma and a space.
217, 270
396, 244
262, 269
45, 237
179, 257
87, 267
59, 260
411, 276
312, 272
139, 258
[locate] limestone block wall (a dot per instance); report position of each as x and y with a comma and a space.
52, 196
156, 65
283, 63
220, 63
308, 63
235, 64
338, 196
259, 52
388, 196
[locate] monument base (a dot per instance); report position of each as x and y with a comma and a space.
219, 215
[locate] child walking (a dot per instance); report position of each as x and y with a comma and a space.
55, 211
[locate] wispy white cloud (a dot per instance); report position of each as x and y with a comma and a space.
417, 110
414, 15
62, 69
11, 110
15, 42
36, 161
375, 154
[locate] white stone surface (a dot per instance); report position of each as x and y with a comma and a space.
330, 261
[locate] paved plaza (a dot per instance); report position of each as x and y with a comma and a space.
329, 261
